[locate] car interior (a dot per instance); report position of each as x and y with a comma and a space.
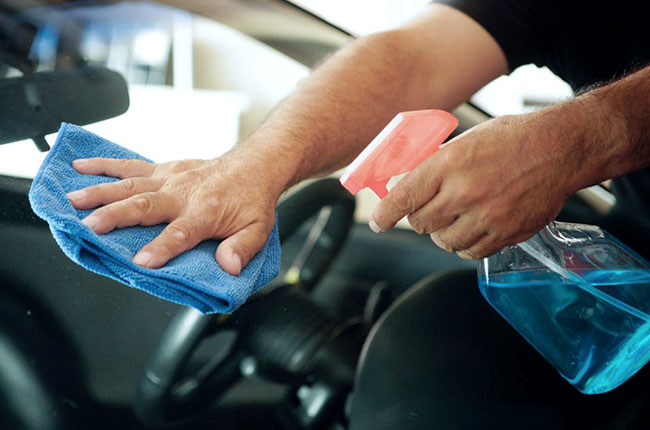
175, 80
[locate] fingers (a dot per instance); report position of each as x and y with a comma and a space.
179, 236
183, 195
103, 194
115, 167
460, 235
434, 215
143, 209
484, 247
183, 234
409, 195
234, 253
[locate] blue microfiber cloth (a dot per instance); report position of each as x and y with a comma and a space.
193, 278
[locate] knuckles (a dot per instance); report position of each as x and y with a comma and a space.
143, 204
176, 167
471, 192
129, 185
127, 163
419, 224
210, 204
403, 199
107, 213
180, 233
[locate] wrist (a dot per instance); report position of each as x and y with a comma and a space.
608, 133
620, 124
592, 138
276, 165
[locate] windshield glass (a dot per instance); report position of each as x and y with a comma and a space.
196, 85
363, 17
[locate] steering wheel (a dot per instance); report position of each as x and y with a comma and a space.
279, 325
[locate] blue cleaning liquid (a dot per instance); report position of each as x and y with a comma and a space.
595, 332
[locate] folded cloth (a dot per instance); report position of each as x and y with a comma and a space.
193, 278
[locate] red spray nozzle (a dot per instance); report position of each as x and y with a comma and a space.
409, 139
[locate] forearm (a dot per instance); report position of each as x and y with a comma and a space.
432, 62
614, 124
629, 101
343, 104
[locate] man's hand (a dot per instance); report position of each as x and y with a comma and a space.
502, 181
227, 198
495, 185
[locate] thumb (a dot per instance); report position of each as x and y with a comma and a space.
234, 253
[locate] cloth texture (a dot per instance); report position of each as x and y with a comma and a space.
583, 42
193, 278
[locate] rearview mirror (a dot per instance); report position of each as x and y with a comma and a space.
35, 105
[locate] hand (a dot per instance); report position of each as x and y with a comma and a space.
216, 199
493, 186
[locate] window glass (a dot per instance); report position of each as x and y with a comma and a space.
195, 85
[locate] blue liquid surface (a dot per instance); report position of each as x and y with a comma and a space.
596, 333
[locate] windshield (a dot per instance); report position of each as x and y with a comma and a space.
195, 84
363, 17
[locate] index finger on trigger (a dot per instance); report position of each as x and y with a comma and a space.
409, 195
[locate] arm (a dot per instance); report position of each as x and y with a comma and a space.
624, 114
437, 60
502, 181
